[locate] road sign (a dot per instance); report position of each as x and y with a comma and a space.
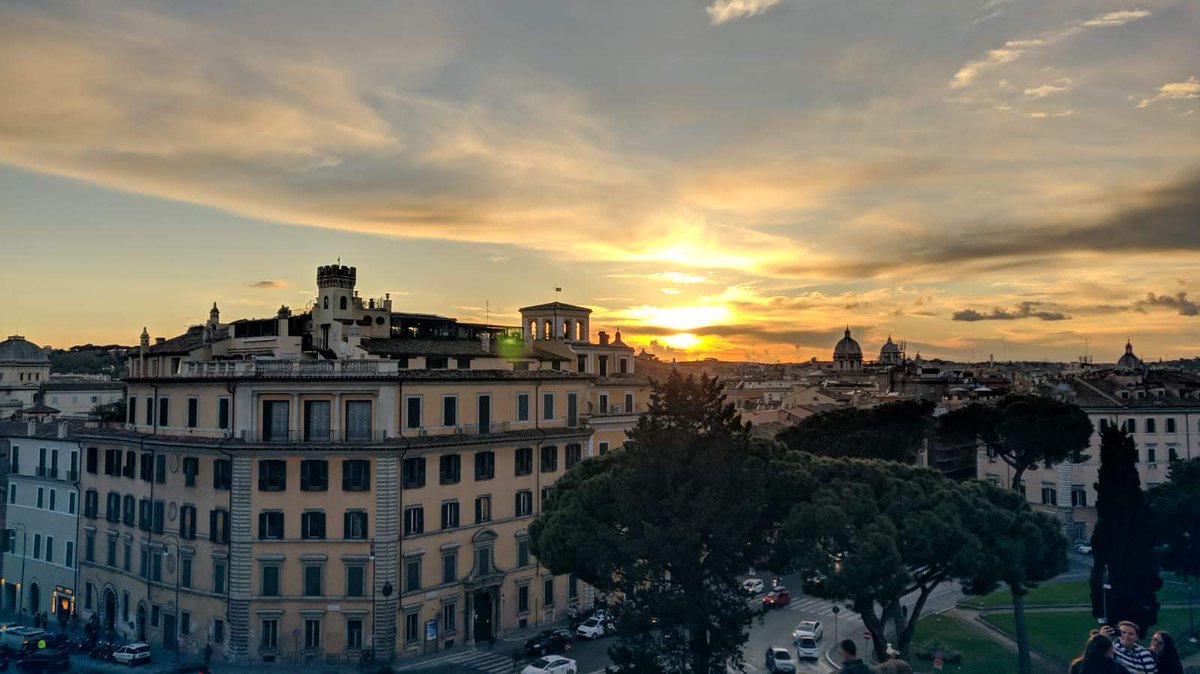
867, 636
836, 609
938, 662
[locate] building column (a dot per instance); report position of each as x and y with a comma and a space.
387, 555
240, 557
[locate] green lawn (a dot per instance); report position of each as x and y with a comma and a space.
1061, 634
1075, 592
981, 655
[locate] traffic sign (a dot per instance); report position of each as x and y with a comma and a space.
867, 636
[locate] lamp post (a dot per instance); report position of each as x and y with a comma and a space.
21, 585
1105, 586
169, 538
836, 610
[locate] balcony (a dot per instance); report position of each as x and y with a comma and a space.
311, 437
291, 369
45, 471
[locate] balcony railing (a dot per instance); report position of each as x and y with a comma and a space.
227, 369
317, 437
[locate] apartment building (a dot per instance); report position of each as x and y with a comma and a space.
310, 486
41, 518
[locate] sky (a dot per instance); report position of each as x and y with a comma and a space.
740, 179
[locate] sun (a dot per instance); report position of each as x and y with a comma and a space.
683, 340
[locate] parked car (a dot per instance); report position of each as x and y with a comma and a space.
780, 660
1083, 548
807, 649
752, 586
46, 660
809, 628
777, 597
549, 641
132, 654
58, 641
103, 650
551, 664
592, 628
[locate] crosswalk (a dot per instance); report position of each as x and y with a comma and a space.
810, 606
482, 661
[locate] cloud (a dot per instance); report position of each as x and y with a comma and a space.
1016, 49
269, 284
1045, 90
1023, 310
722, 11
1175, 91
1178, 301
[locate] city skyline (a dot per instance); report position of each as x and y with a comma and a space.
737, 179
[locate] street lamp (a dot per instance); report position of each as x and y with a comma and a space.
836, 610
1105, 587
21, 585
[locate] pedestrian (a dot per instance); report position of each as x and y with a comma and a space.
1162, 645
851, 663
492, 641
894, 666
207, 653
1129, 653
1097, 658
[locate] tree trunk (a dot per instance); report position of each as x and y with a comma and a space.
1018, 473
1024, 665
875, 625
904, 642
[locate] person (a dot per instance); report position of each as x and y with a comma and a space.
1129, 653
1166, 654
894, 666
851, 664
207, 653
1097, 658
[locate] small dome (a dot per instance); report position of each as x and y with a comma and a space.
17, 349
889, 347
847, 347
1129, 361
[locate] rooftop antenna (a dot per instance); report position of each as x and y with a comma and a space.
487, 312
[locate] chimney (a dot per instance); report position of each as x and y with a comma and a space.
159, 340
31, 428
603, 338
63, 430
485, 340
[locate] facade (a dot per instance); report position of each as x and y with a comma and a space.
847, 354
1159, 408
24, 366
75, 399
41, 518
315, 485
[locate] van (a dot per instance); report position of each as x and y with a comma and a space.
16, 638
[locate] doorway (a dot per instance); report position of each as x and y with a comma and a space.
110, 610
169, 640
483, 616
141, 622
35, 599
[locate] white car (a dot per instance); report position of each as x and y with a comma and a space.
808, 628
753, 586
1083, 548
807, 649
592, 628
550, 664
132, 655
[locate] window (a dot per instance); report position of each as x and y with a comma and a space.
572, 409
522, 407
316, 421
164, 405
483, 415
111, 552
218, 525
449, 567
185, 623
146, 470
149, 411
272, 475
313, 577
185, 572
1170, 425
523, 599
1172, 454
414, 520
603, 406
314, 475
1078, 496
358, 421
524, 505
275, 421
312, 524
524, 461
449, 468
581, 363
412, 574
131, 410
462, 363
219, 631
187, 522
41, 497
412, 412
223, 413
130, 511
222, 474
193, 411
629, 403
483, 509
437, 362
602, 447
160, 508
450, 515
356, 475
89, 547
414, 473
449, 410
112, 462
450, 618
37, 546
572, 587
547, 406
354, 634
15, 460
549, 459
128, 556
1131, 426
312, 627
145, 512
485, 465
1151, 425
191, 468
1103, 424
130, 460
49, 548
270, 525
91, 460
270, 580
546, 491
356, 580
548, 591
354, 525
574, 454
1151, 454
156, 565
412, 632
1049, 495
269, 639
12, 493
523, 552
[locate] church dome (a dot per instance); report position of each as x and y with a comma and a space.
1129, 361
17, 349
847, 348
889, 348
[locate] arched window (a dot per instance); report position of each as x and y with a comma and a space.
342, 303
579, 331
325, 304
566, 329
533, 328
547, 330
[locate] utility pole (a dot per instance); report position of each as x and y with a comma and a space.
21, 585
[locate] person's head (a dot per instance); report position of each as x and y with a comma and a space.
1127, 632
1163, 645
849, 648
1096, 653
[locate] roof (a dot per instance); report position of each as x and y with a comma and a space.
1106, 389
40, 408
44, 431
83, 386
434, 375
555, 306
17, 349
187, 342
625, 379
424, 347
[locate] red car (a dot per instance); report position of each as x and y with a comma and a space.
777, 597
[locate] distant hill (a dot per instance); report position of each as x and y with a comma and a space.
90, 359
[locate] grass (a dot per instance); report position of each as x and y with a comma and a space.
1060, 635
981, 655
1074, 592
